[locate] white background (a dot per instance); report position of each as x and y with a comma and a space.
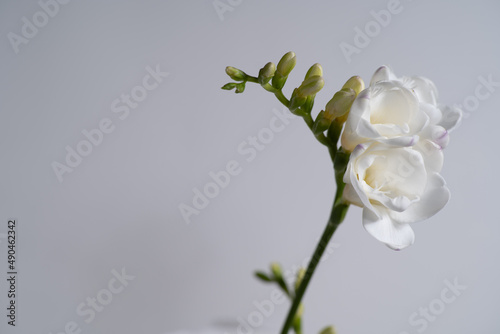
119, 207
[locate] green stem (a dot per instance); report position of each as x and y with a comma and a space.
282, 98
339, 211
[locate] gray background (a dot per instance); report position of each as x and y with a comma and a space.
119, 207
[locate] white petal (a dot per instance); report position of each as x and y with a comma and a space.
404, 141
419, 121
357, 130
384, 229
351, 196
383, 73
396, 171
435, 114
452, 116
432, 154
351, 175
391, 103
434, 198
436, 134
425, 89
399, 203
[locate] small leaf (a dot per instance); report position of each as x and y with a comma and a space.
262, 276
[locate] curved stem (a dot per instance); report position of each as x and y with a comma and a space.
339, 211
282, 98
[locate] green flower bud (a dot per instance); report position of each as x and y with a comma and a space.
276, 270
286, 64
355, 83
300, 311
316, 69
300, 277
229, 86
266, 73
236, 74
240, 87
308, 105
322, 123
340, 105
311, 86
297, 101
328, 330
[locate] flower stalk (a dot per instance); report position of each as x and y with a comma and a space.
338, 213
300, 104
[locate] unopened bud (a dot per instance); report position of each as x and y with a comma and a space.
276, 270
311, 86
229, 86
300, 276
322, 123
355, 83
266, 73
296, 100
240, 87
316, 69
286, 64
236, 74
328, 330
338, 107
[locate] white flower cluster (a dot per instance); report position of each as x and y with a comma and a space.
397, 131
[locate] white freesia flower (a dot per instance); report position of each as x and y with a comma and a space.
399, 111
386, 111
442, 118
395, 186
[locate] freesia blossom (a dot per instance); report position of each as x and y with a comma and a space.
396, 130
396, 186
442, 118
399, 111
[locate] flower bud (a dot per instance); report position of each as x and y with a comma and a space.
286, 64
276, 270
311, 86
300, 276
355, 83
266, 73
322, 123
229, 86
338, 107
316, 69
236, 74
296, 101
300, 311
328, 330
240, 87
